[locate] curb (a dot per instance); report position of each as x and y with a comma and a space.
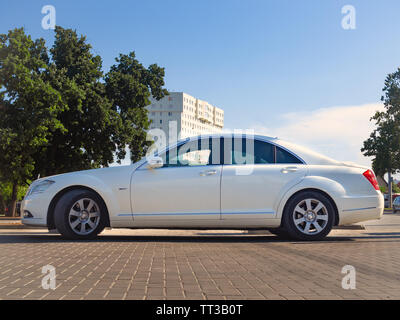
17, 226
257, 232
349, 227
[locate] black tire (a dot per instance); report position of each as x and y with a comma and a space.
62, 217
324, 220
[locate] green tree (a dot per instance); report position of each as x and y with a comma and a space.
59, 113
384, 142
129, 86
29, 107
383, 145
6, 194
101, 116
89, 124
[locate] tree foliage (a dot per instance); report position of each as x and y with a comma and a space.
384, 142
60, 113
129, 85
89, 123
29, 106
103, 114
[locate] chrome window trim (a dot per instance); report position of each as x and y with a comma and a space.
232, 136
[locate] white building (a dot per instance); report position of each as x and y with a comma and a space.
192, 116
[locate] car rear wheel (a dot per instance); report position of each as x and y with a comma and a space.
80, 214
308, 216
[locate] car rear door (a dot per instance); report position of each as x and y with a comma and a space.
253, 191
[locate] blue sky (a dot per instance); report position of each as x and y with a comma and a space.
261, 61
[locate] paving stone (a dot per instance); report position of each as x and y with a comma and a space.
243, 267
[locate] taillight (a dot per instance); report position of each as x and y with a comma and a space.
371, 178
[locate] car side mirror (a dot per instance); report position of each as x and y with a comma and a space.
155, 162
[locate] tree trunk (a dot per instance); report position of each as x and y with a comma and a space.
2, 205
13, 205
390, 189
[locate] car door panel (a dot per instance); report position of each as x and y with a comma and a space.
177, 193
256, 195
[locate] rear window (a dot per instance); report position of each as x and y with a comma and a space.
261, 152
282, 156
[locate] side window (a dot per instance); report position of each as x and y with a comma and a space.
200, 152
282, 156
190, 158
252, 151
263, 152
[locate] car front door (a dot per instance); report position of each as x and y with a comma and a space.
186, 187
253, 191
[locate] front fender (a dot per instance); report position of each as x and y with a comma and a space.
90, 182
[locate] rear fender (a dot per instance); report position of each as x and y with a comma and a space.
334, 189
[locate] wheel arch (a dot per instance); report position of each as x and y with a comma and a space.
336, 222
57, 197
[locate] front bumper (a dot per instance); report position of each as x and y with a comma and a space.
37, 205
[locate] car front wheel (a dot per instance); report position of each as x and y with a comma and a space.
80, 214
308, 216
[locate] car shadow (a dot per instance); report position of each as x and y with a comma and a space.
213, 238
383, 234
200, 237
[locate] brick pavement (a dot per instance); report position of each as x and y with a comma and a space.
148, 264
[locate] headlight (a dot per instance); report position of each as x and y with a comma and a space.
40, 187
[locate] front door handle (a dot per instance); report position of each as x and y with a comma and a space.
289, 169
208, 173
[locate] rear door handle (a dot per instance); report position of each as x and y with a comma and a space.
208, 173
289, 169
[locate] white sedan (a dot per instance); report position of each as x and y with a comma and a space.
222, 181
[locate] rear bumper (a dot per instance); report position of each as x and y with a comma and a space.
359, 209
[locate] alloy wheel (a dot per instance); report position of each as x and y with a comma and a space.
84, 216
310, 216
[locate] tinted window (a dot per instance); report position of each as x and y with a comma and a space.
194, 153
263, 152
252, 151
283, 156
